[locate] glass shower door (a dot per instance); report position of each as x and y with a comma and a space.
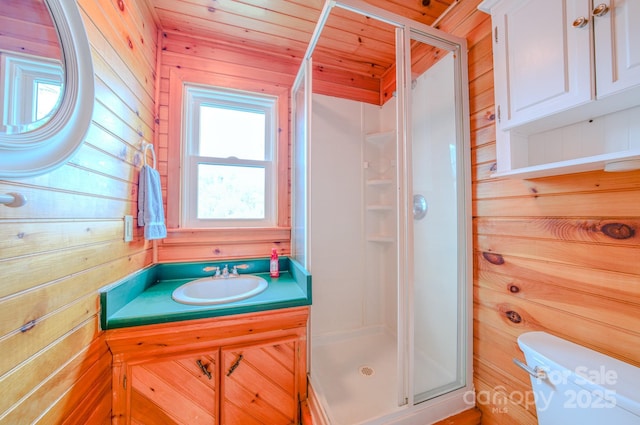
388, 319
438, 226
301, 112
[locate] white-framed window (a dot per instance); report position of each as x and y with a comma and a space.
228, 174
31, 90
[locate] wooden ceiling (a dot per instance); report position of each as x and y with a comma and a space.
354, 51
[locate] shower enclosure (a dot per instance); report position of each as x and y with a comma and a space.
381, 218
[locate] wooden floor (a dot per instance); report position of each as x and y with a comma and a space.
468, 417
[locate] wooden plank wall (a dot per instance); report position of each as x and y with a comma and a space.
218, 63
549, 253
57, 251
558, 254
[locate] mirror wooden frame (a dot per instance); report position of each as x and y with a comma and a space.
50, 146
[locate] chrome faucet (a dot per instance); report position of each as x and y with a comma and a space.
214, 269
224, 273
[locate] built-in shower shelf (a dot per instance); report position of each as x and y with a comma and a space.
379, 208
381, 239
379, 182
381, 137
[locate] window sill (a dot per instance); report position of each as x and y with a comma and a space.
227, 243
227, 235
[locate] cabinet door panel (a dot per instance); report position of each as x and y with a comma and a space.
262, 385
235, 415
145, 411
277, 361
543, 63
174, 391
617, 45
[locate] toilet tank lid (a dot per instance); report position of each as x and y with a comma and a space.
587, 368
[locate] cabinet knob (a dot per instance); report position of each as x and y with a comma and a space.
601, 10
235, 365
580, 22
204, 369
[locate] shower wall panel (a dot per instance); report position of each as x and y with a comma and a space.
355, 282
336, 240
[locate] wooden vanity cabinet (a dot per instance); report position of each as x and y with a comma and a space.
171, 390
244, 369
258, 383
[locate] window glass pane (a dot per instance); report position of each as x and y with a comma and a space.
47, 95
228, 132
230, 192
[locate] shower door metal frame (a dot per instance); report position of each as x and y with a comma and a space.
300, 218
304, 77
405, 27
454, 46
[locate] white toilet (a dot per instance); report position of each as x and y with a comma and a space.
576, 385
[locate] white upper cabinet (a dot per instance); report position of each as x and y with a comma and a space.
560, 66
617, 45
542, 65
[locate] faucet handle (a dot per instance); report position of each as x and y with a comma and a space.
214, 269
234, 271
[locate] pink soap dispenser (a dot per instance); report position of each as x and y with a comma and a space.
274, 267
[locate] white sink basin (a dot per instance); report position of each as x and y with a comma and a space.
208, 290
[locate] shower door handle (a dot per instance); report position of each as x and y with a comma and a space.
419, 207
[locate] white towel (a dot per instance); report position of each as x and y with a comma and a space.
150, 209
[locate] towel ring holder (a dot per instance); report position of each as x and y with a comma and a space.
146, 146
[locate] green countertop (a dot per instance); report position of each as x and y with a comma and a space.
144, 297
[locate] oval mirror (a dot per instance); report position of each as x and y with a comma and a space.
46, 85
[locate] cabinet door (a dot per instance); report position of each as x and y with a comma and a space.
174, 391
258, 384
617, 44
543, 64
